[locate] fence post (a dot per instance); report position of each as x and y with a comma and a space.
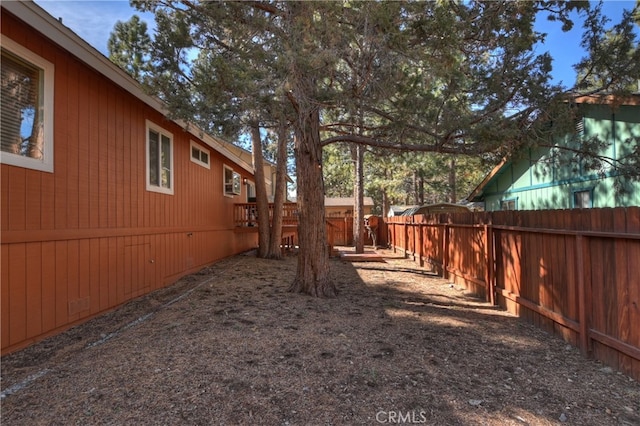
421, 246
413, 237
405, 228
445, 251
490, 284
393, 237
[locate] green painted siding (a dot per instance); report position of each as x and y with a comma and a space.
520, 174
548, 180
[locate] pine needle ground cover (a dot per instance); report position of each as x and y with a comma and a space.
229, 345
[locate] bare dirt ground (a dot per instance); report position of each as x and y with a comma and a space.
229, 345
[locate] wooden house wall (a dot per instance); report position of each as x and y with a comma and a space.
89, 236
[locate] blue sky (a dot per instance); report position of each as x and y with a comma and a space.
94, 21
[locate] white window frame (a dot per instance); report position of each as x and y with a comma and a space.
251, 189
235, 182
505, 203
582, 191
48, 69
201, 150
162, 132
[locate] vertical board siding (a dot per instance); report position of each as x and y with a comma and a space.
18, 295
84, 276
89, 236
47, 197
61, 140
73, 106
94, 151
4, 197
33, 210
4, 296
84, 151
48, 286
94, 274
120, 161
61, 289
633, 254
126, 165
16, 200
589, 298
73, 284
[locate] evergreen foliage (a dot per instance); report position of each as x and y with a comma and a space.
446, 77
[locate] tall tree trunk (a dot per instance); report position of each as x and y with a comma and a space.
358, 195
275, 238
421, 188
357, 153
313, 274
452, 180
416, 193
262, 202
385, 203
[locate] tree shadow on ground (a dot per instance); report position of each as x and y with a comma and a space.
231, 346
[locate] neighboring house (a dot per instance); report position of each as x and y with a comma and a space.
550, 179
436, 209
103, 197
343, 206
399, 210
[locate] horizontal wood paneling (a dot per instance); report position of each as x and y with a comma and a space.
89, 236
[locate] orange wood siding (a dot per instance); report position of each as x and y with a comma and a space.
88, 237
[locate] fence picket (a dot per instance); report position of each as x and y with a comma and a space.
573, 272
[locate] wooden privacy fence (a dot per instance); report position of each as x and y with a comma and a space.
339, 229
574, 273
342, 231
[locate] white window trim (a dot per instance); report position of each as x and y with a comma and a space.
196, 145
585, 190
224, 182
508, 200
153, 188
247, 185
46, 164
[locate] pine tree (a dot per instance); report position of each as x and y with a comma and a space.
129, 47
459, 78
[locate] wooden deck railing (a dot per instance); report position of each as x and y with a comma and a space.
246, 214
